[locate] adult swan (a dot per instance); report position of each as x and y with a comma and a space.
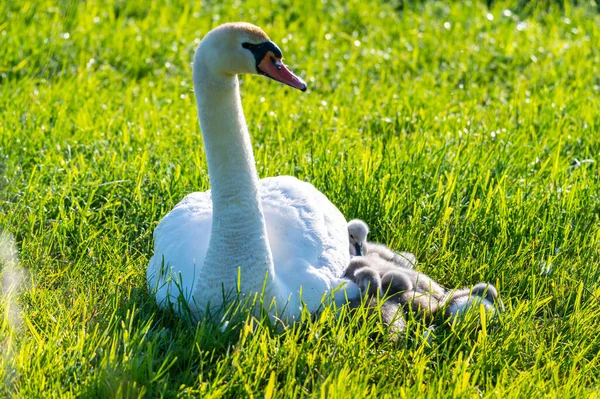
279, 233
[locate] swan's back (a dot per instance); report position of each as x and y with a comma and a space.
307, 236
302, 222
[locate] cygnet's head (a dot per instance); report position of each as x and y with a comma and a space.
357, 234
482, 294
242, 48
354, 265
486, 291
396, 281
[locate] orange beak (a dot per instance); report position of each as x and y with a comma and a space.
273, 68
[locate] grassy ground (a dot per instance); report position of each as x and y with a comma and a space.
465, 135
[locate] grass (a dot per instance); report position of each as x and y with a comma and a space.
466, 135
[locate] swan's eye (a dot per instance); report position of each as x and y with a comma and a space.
277, 63
351, 236
247, 45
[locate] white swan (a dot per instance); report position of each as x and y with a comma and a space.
280, 225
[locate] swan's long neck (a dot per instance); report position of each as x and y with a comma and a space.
238, 235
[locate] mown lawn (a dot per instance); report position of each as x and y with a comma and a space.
469, 136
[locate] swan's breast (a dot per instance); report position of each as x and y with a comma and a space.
180, 244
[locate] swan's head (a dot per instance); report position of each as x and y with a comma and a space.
242, 48
357, 235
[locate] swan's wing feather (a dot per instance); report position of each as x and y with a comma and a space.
303, 223
180, 244
308, 237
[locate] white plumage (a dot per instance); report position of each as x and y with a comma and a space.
307, 238
278, 226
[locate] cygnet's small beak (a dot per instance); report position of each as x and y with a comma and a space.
272, 67
358, 248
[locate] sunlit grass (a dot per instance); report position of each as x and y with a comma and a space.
467, 135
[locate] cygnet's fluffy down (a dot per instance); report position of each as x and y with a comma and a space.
359, 246
368, 280
412, 290
458, 302
390, 312
416, 292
